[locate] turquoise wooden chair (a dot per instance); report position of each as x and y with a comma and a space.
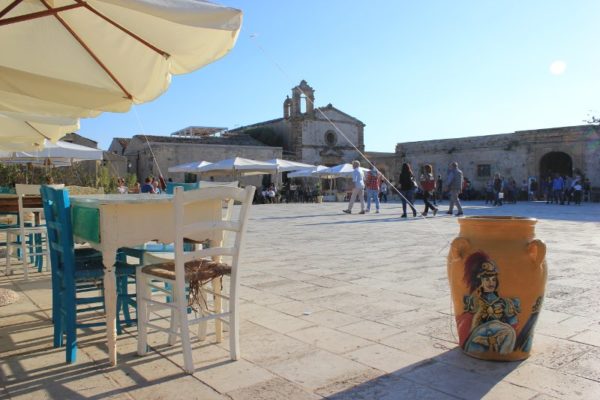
74, 271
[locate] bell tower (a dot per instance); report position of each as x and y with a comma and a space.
287, 106
303, 98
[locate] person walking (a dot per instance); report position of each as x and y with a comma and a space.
498, 190
454, 180
587, 189
428, 186
577, 190
548, 190
372, 184
358, 179
558, 186
408, 185
439, 190
383, 192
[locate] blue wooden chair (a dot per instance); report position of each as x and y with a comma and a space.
74, 271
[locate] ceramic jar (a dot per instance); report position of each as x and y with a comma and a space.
497, 273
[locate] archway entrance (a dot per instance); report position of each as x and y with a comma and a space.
556, 162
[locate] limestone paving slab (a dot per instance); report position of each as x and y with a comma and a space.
330, 339
337, 306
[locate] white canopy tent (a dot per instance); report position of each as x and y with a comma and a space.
72, 58
59, 154
191, 167
311, 172
239, 166
287, 165
339, 171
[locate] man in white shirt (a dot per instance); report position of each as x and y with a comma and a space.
358, 178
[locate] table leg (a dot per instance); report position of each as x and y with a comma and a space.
110, 302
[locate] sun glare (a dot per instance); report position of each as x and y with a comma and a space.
558, 67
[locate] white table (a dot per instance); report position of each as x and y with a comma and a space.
108, 222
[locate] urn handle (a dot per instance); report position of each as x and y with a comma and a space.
459, 248
537, 251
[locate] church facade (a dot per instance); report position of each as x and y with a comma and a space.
324, 135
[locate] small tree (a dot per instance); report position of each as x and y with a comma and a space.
106, 181
131, 180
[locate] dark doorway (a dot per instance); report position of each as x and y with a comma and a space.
556, 162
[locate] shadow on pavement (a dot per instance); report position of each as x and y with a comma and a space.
449, 375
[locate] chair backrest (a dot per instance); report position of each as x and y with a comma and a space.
28, 190
57, 210
186, 186
6, 190
214, 227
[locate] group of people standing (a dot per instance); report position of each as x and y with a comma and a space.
151, 185
373, 180
563, 189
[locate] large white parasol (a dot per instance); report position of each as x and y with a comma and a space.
191, 167
26, 131
308, 172
288, 165
58, 154
75, 58
239, 166
338, 171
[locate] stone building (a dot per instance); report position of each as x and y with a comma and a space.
115, 162
572, 150
312, 135
152, 155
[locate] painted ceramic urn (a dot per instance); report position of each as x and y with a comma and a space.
497, 273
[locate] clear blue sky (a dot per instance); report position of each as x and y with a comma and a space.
410, 70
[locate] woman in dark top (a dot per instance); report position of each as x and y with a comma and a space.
407, 189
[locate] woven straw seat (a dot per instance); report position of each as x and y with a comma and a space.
198, 270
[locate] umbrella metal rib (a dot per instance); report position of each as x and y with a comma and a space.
38, 14
9, 7
78, 4
133, 35
90, 52
37, 131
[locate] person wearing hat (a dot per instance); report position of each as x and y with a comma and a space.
489, 320
454, 183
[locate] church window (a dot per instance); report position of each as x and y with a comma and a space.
330, 138
484, 170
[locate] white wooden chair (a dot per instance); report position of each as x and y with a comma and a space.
26, 229
195, 269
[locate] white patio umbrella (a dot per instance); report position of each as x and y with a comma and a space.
58, 154
74, 58
239, 166
287, 165
339, 171
191, 167
28, 131
308, 172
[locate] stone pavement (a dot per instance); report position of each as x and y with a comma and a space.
337, 306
